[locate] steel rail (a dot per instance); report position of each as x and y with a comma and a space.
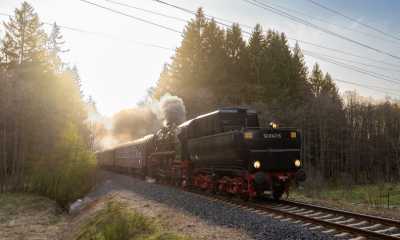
346, 226
325, 223
340, 227
370, 218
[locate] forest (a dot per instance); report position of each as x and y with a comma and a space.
47, 145
347, 138
44, 140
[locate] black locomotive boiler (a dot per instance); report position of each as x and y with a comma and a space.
224, 151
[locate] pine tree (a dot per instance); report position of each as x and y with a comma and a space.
188, 73
77, 79
316, 80
55, 43
276, 77
236, 88
235, 46
256, 50
329, 88
24, 37
214, 72
299, 76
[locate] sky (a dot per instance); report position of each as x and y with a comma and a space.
117, 69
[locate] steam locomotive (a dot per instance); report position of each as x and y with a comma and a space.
224, 151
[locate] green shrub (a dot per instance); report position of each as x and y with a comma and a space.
67, 174
116, 222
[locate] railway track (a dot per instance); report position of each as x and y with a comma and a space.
341, 224
338, 222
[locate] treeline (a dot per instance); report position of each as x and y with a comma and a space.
44, 141
345, 139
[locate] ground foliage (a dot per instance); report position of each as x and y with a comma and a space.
345, 138
29, 216
117, 222
44, 141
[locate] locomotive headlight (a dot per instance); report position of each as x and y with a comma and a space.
273, 125
297, 163
293, 134
257, 164
248, 135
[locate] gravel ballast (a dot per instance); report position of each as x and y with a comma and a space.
198, 216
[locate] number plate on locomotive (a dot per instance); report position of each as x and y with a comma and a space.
272, 135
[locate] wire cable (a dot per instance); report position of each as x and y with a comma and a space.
327, 58
356, 69
356, 62
336, 50
146, 10
308, 16
309, 24
194, 13
290, 38
353, 19
104, 35
131, 16
370, 87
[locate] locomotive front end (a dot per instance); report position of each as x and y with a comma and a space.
273, 156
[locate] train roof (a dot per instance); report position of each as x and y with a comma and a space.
133, 142
219, 110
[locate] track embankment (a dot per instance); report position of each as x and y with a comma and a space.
199, 216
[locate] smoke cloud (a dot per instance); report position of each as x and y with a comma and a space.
173, 110
133, 123
170, 109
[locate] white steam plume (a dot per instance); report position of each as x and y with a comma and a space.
170, 109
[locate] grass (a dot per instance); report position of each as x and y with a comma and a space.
374, 195
24, 216
13, 204
379, 199
117, 222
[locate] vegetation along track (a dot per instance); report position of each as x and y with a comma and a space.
342, 224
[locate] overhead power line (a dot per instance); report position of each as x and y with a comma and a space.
336, 50
370, 87
309, 24
326, 58
245, 32
375, 75
329, 59
356, 62
353, 19
355, 68
146, 10
104, 35
290, 38
340, 26
218, 19
131, 16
